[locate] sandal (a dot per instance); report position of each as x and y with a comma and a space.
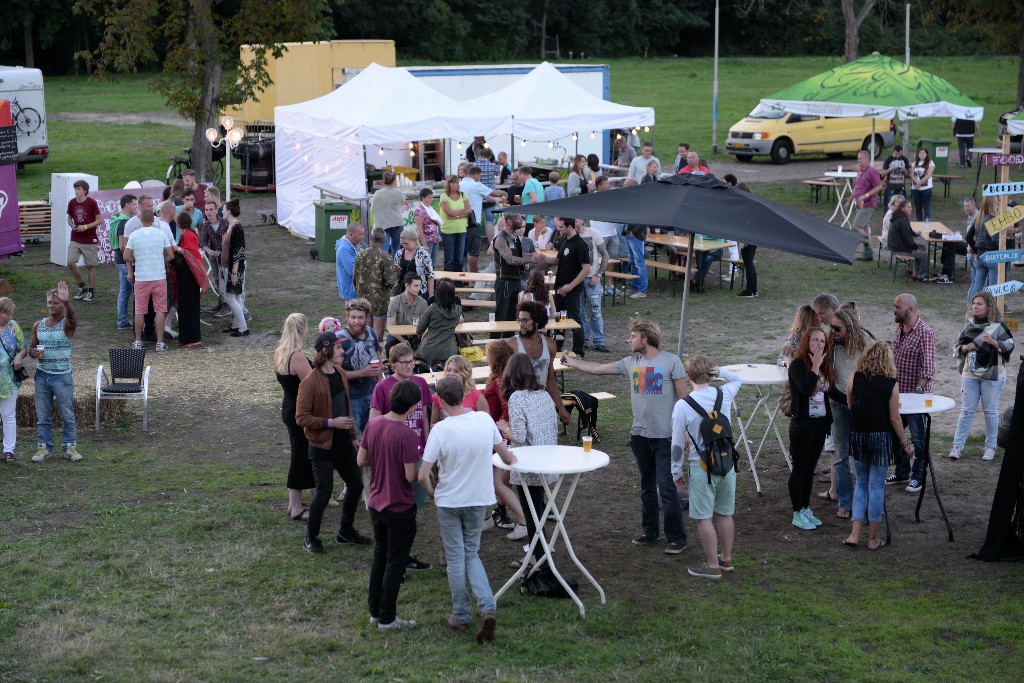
303, 516
851, 546
827, 479
9, 457
843, 513
826, 495
881, 543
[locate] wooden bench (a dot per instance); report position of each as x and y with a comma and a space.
34, 220
816, 185
945, 178
610, 276
895, 258
478, 303
675, 270
569, 403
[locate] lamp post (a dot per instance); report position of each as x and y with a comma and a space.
232, 137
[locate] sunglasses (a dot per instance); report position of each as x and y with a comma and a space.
837, 328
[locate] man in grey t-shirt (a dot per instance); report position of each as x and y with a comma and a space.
657, 381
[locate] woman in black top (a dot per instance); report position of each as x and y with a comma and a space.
810, 377
291, 366
902, 239
873, 396
233, 259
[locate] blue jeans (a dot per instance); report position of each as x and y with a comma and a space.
987, 391
916, 425
982, 275
454, 248
460, 535
590, 314
922, 203
432, 249
636, 262
890, 192
391, 237
360, 408
124, 292
49, 387
706, 260
611, 243
841, 465
654, 460
869, 496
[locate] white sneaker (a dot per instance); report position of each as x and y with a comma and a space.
990, 454
517, 534
397, 624
638, 295
954, 454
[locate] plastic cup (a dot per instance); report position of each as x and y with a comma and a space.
40, 349
588, 443
928, 399
490, 318
416, 320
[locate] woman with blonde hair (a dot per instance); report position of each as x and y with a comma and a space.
386, 209
873, 396
498, 355
803, 320
455, 210
15, 349
291, 366
982, 350
413, 258
460, 368
577, 182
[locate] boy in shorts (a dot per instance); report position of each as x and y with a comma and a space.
83, 217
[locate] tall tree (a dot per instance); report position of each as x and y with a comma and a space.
202, 71
852, 19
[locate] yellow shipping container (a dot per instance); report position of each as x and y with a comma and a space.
309, 70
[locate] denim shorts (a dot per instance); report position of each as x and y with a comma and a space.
718, 497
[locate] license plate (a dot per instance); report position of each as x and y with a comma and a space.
739, 144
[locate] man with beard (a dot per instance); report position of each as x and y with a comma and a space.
509, 263
532, 317
913, 348
573, 261
361, 360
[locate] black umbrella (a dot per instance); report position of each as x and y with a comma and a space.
704, 204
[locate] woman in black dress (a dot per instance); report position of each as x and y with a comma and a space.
191, 283
291, 366
233, 259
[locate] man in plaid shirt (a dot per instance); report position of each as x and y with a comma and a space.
913, 346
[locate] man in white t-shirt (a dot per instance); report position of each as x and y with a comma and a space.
147, 252
461, 445
638, 165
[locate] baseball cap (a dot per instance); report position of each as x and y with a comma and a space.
325, 339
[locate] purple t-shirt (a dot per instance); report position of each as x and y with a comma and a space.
390, 446
867, 180
417, 419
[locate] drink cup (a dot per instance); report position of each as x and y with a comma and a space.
490, 318
928, 399
588, 443
562, 315
375, 364
416, 320
40, 349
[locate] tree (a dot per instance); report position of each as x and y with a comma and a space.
202, 71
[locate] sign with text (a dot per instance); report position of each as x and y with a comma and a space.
999, 189
8, 145
339, 222
1004, 220
1004, 159
1012, 324
1001, 256
1005, 288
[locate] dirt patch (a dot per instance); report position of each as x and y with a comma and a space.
161, 117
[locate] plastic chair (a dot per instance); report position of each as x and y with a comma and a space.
127, 381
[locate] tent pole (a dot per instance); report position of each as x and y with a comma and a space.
686, 297
513, 151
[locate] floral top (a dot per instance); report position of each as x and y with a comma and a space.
430, 226
373, 277
534, 422
14, 341
424, 266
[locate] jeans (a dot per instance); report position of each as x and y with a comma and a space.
460, 535
391, 237
922, 203
124, 292
590, 314
432, 249
841, 466
571, 304
806, 439
870, 492
324, 466
9, 414
611, 243
49, 387
706, 260
393, 534
747, 254
890, 192
454, 248
903, 471
360, 407
982, 275
636, 262
964, 144
654, 460
987, 391
234, 302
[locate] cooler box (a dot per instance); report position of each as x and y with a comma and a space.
332, 221
938, 150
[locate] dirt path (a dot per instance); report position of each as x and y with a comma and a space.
162, 117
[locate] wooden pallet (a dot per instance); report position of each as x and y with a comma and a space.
34, 220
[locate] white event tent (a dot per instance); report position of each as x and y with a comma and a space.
320, 142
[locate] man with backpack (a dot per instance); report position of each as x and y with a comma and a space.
695, 419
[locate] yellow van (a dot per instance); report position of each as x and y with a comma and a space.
782, 135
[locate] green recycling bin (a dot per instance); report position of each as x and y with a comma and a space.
332, 221
938, 150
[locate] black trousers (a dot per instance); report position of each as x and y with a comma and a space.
325, 464
506, 300
570, 303
536, 493
393, 534
747, 254
806, 439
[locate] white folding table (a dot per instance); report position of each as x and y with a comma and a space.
918, 404
767, 401
568, 462
843, 187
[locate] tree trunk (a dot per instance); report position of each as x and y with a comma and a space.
1020, 66
30, 50
544, 30
852, 21
206, 117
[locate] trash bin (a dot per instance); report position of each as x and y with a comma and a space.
938, 150
332, 221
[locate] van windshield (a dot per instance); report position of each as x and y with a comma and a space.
768, 115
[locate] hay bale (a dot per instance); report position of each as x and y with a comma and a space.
84, 403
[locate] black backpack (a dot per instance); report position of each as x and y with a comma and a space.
719, 454
586, 416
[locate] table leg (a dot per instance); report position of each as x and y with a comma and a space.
924, 481
840, 195
745, 443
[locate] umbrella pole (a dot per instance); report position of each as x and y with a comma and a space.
686, 296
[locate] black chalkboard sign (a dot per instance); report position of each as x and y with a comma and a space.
8, 145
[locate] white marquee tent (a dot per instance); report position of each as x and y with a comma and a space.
320, 142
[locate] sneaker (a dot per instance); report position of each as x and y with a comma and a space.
125, 326
88, 296
416, 564
501, 519
602, 349
747, 295
137, 345
42, 453
675, 548
705, 572
161, 346
397, 625
225, 313
487, 626
726, 565
71, 453
944, 280
914, 486
456, 625
517, 534
313, 545
801, 522
217, 309
645, 539
374, 621
990, 454
810, 517
892, 479
638, 295
82, 289
353, 537
954, 454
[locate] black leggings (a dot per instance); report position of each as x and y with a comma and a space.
325, 464
536, 493
750, 270
806, 439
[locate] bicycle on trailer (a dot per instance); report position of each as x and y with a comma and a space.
180, 163
26, 119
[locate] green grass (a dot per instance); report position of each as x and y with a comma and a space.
128, 94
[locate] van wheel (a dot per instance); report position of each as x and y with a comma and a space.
781, 151
744, 157
876, 152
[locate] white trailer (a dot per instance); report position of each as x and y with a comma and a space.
24, 88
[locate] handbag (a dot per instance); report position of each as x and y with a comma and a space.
20, 375
472, 224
